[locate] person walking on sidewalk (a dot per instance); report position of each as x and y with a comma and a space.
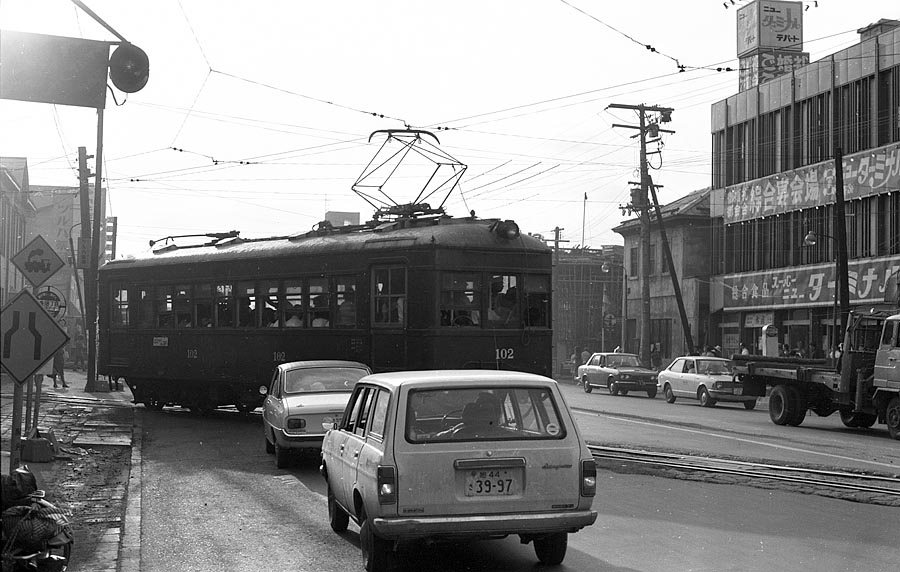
80, 362
59, 373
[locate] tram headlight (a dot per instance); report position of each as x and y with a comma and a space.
507, 229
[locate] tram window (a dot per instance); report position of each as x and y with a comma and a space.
537, 300
184, 306
503, 311
246, 304
224, 306
120, 307
145, 308
390, 295
319, 303
203, 305
164, 317
292, 306
460, 299
268, 302
345, 299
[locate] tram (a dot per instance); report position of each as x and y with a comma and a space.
205, 325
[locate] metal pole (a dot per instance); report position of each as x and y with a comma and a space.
645, 247
91, 279
841, 239
624, 321
15, 442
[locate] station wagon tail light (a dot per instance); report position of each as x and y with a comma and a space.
588, 478
296, 423
387, 484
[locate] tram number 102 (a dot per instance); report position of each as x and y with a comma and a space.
505, 353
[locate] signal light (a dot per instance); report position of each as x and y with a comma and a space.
129, 68
507, 229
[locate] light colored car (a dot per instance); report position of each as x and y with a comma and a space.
303, 401
618, 372
457, 455
707, 379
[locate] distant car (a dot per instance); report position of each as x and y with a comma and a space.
303, 401
707, 379
458, 455
619, 373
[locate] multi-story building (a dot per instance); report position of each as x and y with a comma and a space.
687, 222
774, 181
16, 208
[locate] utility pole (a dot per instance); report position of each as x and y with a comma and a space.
554, 298
640, 203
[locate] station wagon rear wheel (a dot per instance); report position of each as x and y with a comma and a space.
336, 515
376, 551
551, 549
670, 395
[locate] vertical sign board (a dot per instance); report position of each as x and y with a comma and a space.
28, 336
38, 261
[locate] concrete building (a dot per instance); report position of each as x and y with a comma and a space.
16, 208
774, 181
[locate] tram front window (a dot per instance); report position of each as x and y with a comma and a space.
460, 299
503, 311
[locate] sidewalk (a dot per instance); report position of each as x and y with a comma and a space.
91, 474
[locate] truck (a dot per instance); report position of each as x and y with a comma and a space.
863, 384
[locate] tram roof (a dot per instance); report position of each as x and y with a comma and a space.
438, 232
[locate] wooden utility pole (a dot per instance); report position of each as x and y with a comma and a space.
640, 202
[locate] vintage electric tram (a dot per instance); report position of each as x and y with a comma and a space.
205, 325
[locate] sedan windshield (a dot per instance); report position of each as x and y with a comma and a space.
623, 360
492, 413
313, 379
713, 367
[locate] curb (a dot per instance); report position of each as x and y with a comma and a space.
129, 557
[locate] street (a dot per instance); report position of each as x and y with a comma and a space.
213, 499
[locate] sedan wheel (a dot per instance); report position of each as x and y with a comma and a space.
612, 387
551, 550
270, 448
651, 393
281, 456
587, 386
750, 405
705, 399
670, 395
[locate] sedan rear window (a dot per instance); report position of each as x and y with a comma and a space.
314, 379
469, 414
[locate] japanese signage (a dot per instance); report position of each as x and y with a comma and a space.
866, 173
37, 261
760, 68
810, 286
767, 24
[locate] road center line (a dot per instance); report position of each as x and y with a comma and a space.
784, 447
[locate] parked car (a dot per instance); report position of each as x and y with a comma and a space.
707, 379
619, 373
303, 401
458, 455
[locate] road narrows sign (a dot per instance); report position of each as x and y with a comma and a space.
38, 261
28, 336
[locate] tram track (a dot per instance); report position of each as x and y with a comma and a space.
862, 487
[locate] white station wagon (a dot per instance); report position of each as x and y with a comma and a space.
455, 455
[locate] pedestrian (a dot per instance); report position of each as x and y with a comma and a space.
80, 363
708, 352
654, 356
717, 351
745, 351
585, 356
59, 374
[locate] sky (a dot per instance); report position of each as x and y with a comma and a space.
257, 115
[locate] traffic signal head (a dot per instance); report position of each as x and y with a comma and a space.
129, 68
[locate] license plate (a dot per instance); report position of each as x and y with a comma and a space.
492, 482
738, 391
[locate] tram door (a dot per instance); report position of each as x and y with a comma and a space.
389, 316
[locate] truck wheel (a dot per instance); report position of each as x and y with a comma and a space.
799, 406
587, 386
892, 415
670, 395
780, 405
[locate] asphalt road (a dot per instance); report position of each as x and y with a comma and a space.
213, 500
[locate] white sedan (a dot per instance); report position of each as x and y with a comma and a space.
304, 400
706, 379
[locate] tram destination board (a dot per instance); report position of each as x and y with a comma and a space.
29, 336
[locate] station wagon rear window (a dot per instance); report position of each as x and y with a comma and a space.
479, 414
